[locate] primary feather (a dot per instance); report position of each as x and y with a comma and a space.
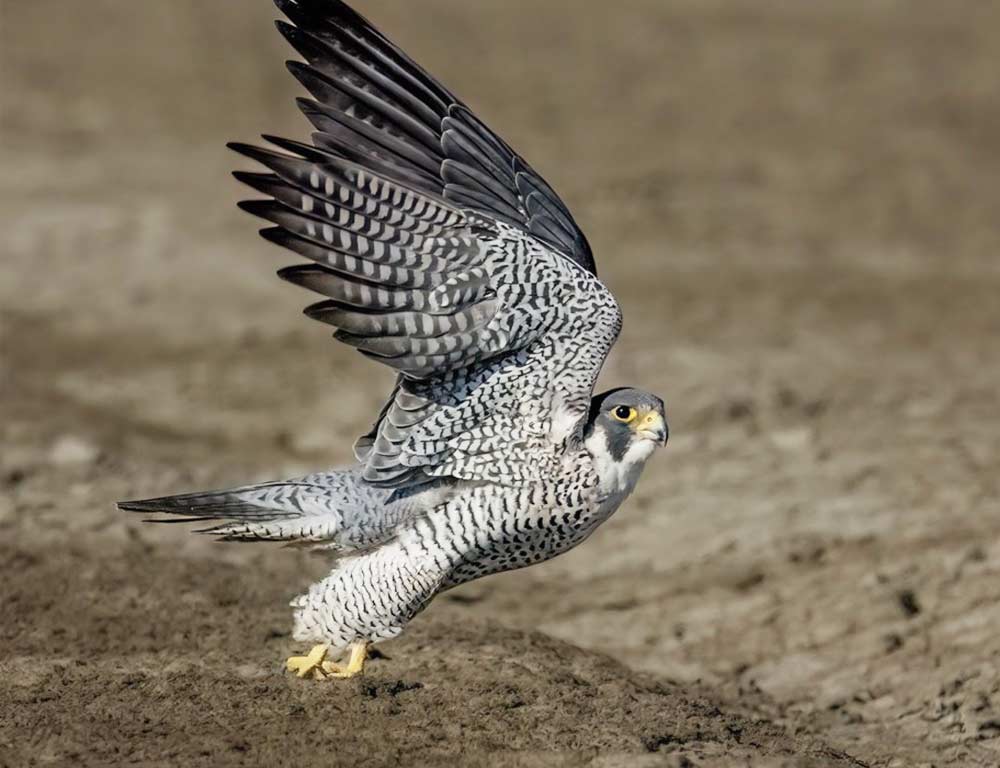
439, 249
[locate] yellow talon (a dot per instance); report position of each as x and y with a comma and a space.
311, 662
355, 664
314, 663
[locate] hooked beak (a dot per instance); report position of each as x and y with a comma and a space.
653, 427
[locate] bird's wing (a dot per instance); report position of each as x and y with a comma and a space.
442, 255
373, 105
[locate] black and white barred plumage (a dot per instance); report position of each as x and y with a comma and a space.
440, 253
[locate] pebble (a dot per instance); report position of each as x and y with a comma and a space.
792, 440
73, 449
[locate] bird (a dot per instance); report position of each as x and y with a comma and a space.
440, 253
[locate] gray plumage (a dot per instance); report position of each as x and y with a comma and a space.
440, 253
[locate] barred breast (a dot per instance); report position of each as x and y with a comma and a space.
481, 530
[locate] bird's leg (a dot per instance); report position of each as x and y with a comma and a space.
309, 665
355, 664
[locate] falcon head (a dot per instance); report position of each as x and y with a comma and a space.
625, 427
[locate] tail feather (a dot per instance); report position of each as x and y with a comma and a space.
334, 510
210, 505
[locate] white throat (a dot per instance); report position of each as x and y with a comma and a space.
618, 477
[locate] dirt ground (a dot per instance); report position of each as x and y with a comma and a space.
797, 205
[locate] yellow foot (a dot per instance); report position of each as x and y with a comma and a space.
355, 664
314, 663
310, 664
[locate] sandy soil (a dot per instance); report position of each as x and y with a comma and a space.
797, 205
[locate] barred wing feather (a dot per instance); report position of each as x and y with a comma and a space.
374, 105
440, 254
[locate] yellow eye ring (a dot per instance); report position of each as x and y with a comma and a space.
624, 413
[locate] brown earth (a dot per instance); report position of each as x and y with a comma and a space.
797, 205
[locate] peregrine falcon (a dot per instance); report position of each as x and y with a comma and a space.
441, 254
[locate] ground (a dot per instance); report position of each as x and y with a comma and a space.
797, 206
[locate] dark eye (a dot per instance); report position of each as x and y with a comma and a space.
624, 413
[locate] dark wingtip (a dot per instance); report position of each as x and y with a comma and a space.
238, 147
316, 311
143, 505
298, 149
247, 150
307, 106
265, 183
262, 155
301, 71
258, 208
296, 272
276, 235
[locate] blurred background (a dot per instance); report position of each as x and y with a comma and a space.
798, 206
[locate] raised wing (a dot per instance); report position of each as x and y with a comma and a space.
498, 335
373, 105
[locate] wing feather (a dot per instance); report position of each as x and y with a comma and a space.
375, 106
439, 252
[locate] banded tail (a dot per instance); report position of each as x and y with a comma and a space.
328, 510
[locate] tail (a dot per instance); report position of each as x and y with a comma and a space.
329, 510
